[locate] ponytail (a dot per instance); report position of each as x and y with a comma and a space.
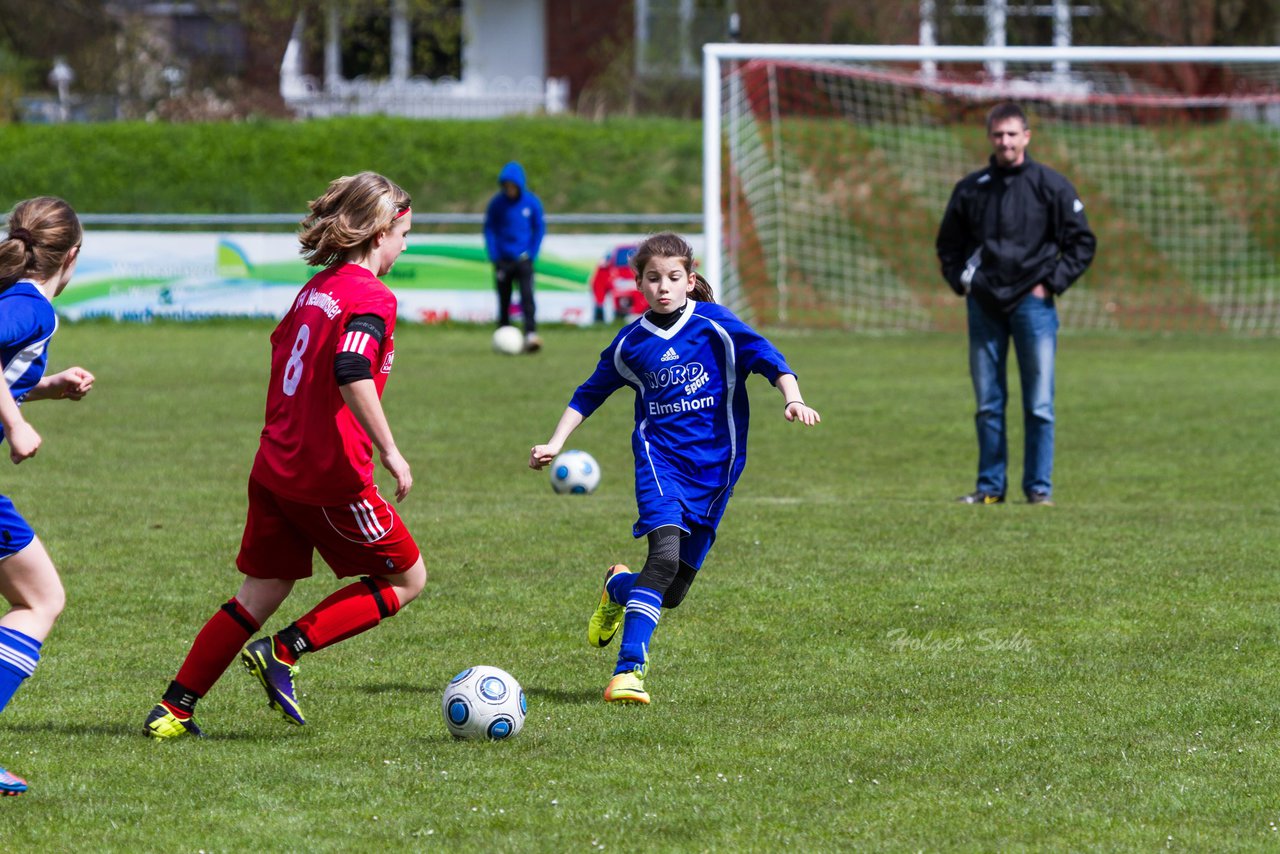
42, 231
702, 291
15, 256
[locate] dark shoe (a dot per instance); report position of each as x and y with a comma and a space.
259, 658
164, 724
980, 497
1042, 498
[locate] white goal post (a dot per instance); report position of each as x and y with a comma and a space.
827, 167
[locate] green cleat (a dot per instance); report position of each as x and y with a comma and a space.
164, 724
607, 618
627, 687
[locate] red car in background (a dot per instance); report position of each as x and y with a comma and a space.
614, 285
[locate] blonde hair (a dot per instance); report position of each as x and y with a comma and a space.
667, 244
42, 231
349, 216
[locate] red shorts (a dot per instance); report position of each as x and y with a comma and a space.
365, 537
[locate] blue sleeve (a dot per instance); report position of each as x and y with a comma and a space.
539, 229
604, 382
756, 354
14, 323
490, 230
20, 320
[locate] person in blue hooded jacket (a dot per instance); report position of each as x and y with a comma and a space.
514, 226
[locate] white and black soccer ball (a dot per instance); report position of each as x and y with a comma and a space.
484, 702
508, 341
575, 473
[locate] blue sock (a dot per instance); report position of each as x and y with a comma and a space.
18, 657
620, 586
644, 607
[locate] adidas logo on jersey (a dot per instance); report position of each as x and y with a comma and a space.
671, 355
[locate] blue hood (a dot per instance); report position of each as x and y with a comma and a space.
514, 173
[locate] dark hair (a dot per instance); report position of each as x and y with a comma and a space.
353, 211
42, 231
1006, 110
667, 244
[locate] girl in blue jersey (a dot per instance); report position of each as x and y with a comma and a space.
687, 360
37, 259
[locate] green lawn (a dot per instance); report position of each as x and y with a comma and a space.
865, 665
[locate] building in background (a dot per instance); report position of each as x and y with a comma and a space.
517, 56
211, 59
503, 70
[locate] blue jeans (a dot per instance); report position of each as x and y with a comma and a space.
1034, 329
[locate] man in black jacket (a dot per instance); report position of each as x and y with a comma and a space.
1013, 239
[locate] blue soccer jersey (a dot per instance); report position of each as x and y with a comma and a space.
27, 322
691, 410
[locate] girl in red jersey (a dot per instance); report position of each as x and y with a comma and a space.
311, 487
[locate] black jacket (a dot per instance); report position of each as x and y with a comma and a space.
1006, 230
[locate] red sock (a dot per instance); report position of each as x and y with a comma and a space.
353, 609
216, 646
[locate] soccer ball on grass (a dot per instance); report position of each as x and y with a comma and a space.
575, 473
484, 702
508, 340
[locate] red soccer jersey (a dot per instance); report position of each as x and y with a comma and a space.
312, 448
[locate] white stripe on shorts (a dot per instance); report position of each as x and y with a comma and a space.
367, 520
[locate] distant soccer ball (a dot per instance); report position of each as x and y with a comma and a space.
575, 473
508, 340
484, 702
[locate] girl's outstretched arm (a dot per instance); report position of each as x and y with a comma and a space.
71, 384
542, 455
795, 408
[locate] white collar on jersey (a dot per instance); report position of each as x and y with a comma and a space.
675, 327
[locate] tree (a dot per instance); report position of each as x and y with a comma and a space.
1183, 22
81, 31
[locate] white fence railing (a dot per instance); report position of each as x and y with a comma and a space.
421, 98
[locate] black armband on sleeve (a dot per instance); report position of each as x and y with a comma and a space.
371, 324
350, 363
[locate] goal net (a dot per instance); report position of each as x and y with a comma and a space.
828, 169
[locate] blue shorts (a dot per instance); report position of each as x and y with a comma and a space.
699, 534
15, 533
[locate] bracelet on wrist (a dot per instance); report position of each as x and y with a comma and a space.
789, 402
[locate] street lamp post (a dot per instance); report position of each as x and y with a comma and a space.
60, 78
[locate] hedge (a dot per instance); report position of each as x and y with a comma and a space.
575, 166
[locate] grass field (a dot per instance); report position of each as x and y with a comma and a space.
865, 665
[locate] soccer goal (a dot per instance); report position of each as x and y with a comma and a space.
827, 169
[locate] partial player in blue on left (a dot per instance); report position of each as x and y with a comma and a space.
37, 259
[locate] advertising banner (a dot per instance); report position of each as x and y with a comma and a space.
140, 275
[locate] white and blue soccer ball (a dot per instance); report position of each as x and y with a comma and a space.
575, 473
484, 702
